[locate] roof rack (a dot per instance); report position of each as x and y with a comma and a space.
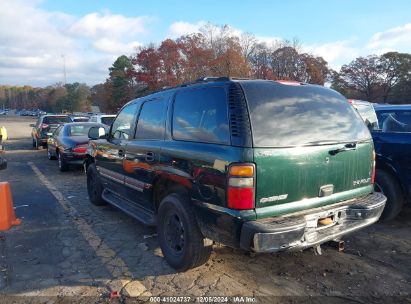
204, 79
199, 81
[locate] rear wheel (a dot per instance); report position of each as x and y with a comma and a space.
94, 186
37, 145
50, 156
388, 185
63, 166
181, 240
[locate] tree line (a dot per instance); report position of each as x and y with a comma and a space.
219, 51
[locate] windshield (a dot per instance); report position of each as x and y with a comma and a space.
107, 120
56, 119
78, 130
289, 115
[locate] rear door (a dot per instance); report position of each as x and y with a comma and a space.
143, 153
311, 148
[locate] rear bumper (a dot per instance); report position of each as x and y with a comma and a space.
74, 158
302, 230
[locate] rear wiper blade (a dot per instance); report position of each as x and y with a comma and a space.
347, 147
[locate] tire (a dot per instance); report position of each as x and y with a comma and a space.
388, 185
33, 142
181, 240
49, 155
63, 166
37, 146
94, 186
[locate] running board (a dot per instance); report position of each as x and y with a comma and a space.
139, 213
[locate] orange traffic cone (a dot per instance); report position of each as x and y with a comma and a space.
7, 215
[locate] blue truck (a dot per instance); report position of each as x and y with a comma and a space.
390, 127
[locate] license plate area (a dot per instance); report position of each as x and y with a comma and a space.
325, 219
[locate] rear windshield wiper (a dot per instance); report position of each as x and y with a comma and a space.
347, 147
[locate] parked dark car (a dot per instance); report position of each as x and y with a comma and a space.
69, 144
392, 141
260, 165
44, 128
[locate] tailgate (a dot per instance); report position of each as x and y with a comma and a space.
286, 175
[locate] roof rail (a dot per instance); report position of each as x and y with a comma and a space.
200, 80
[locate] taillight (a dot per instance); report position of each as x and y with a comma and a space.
373, 167
44, 126
349, 101
80, 149
240, 188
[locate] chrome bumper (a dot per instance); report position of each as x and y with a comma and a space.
304, 230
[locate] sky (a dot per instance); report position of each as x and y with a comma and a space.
39, 37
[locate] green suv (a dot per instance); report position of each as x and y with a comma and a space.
260, 165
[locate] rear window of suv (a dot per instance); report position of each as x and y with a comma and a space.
56, 119
298, 115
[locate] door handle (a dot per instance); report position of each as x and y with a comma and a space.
150, 156
121, 153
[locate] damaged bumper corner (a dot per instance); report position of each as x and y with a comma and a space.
304, 230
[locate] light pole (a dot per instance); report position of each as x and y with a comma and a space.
64, 68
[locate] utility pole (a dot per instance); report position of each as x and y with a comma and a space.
64, 68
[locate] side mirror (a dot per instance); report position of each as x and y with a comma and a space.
3, 164
32, 125
96, 133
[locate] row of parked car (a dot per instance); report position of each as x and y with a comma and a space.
34, 112
260, 165
47, 124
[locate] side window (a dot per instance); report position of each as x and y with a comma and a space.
201, 115
151, 120
122, 125
394, 121
58, 131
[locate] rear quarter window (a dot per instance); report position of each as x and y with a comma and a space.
287, 115
201, 115
151, 120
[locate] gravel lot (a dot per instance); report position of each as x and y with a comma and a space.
69, 250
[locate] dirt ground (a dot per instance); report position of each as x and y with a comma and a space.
69, 250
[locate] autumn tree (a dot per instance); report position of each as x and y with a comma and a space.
231, 62
395, 67
260, 62
374, 78
198, 58
147, 67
